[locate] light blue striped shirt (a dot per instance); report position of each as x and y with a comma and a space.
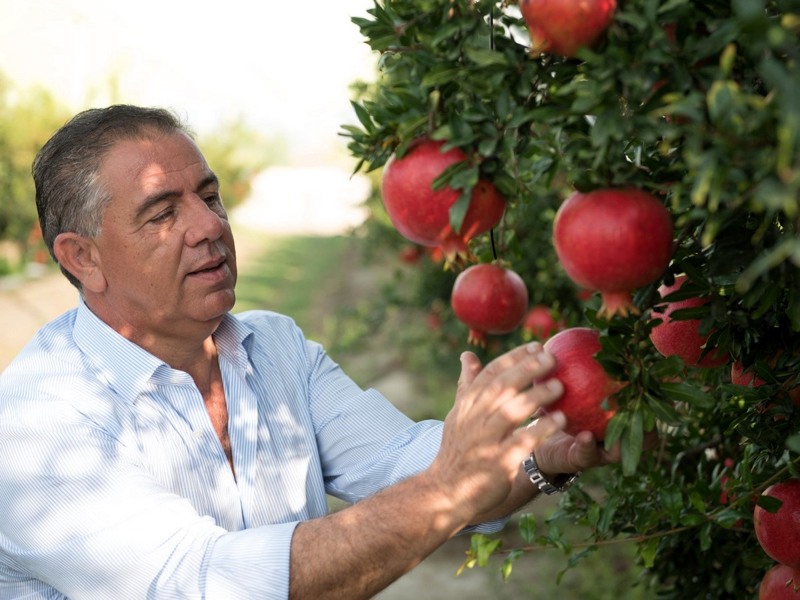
113, 482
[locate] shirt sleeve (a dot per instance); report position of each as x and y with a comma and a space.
365, 442
79, 515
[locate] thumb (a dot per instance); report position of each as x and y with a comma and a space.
470, 367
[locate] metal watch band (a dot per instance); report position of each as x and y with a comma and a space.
559, 484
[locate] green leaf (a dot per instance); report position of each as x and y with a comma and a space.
614, 429
486, 58
688, 393
663, 411
486, 548
458, 211
671, 366
769, 503
793, 443
672, 502
705, 537
648, 550
440, 76
527, 528
632, 443
363, 117
505, 570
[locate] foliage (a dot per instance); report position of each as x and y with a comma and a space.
237, 153
26, 121
696, 103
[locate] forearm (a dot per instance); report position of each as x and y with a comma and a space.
360, 550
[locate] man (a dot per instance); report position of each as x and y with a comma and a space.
156, 446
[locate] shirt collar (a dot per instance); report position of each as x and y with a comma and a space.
129, 368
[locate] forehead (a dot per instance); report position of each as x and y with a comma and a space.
157, 160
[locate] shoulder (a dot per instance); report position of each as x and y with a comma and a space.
278, 339
50, 380
271, 328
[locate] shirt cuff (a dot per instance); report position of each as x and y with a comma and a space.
487, 527
253, 563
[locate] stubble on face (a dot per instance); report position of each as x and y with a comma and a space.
165, 248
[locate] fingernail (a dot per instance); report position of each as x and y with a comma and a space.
554, 385
534, 347
546, 360
559, 419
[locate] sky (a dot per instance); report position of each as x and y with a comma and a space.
283, 67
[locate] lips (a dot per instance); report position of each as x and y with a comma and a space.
208, 266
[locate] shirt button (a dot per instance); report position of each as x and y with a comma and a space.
198, 433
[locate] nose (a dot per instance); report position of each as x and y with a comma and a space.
204, 223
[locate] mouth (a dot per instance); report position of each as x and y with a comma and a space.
209, 267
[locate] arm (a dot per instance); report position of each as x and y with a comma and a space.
360, 550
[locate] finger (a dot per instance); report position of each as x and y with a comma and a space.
518, 376
531, 438
511, 398
512, 410
587, 452
470, 367
506, 361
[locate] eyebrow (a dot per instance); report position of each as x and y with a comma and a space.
150, 201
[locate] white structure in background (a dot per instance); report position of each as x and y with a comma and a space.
304, 200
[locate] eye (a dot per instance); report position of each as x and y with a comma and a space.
213, 199
162, 217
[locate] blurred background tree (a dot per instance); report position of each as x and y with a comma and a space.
236, 151
696, 103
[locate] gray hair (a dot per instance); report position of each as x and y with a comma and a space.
69, 196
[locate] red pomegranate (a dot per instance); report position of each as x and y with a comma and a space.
489, 298
682, 337
779, 532
586, 383
780, 583
613, 241
422, 214
539, 322
747, 377
740, 376
565, 26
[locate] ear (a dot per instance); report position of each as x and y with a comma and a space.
78, 255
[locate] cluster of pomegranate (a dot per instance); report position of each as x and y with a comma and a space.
778, 534
611, 241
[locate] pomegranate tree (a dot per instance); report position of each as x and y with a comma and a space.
565, 26
674, 337
779, 532
613, 241
490, 299
422, 214
780, 583
587, 386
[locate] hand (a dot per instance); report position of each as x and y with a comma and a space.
563, 453
483, 443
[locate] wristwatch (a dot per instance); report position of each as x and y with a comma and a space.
559, 484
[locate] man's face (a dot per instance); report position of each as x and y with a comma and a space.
166, 248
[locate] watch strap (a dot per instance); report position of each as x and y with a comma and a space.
559, 484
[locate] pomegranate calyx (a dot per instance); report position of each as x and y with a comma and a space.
476, 338
456, 254
617, 303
